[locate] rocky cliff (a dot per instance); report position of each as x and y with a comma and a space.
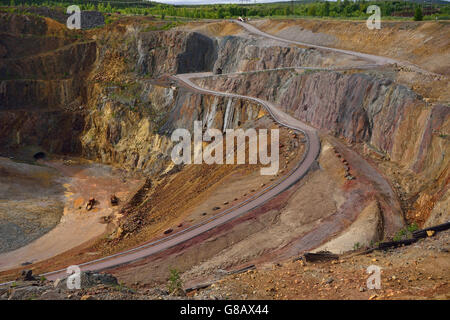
237, 54
105, 95
386, 117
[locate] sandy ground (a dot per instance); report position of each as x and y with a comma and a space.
419, 271
77, 225
213, 186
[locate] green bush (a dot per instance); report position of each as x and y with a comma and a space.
175, 282
418, 15
406, 232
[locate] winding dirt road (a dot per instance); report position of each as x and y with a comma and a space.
375, 59
313, 149
312, 152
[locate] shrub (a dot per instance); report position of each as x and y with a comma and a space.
418, 15
175, 282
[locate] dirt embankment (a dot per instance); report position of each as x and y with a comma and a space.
408, 273
423, 43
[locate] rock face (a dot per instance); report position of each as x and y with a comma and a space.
172, 52
120, 131
387, 117
236, 54
54, 131
91, 19
99, 98
90, 279
390, 117
42, 84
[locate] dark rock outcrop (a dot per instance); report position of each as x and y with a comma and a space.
173, 52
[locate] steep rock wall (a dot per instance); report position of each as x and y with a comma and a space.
237, 54
138, 137
387, 117
54, 131
358, 107
161, 52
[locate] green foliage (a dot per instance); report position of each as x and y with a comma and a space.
406, 233
418, 15
175, 283
356, 246
413, 227
309, 8
326, 9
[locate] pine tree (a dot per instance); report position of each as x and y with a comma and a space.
418, 15
326, 9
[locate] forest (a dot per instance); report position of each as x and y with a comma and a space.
327, 9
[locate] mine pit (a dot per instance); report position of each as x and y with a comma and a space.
86, 173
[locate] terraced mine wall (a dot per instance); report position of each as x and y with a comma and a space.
358, 107
98, 97
389, 119
238, 54
139, 137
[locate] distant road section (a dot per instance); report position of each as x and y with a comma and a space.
370, 57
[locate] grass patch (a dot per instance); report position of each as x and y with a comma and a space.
174, 283
406, 233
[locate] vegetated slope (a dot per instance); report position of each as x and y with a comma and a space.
423, 43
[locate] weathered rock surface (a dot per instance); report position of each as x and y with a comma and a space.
237, 54
388, 117
172, 52
90, 279
365, 231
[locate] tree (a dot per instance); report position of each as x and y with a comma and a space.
418, 15
326, 9
312, 10
220, 13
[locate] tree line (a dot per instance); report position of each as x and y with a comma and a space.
338, 9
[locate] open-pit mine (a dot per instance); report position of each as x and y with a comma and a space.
87, 176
